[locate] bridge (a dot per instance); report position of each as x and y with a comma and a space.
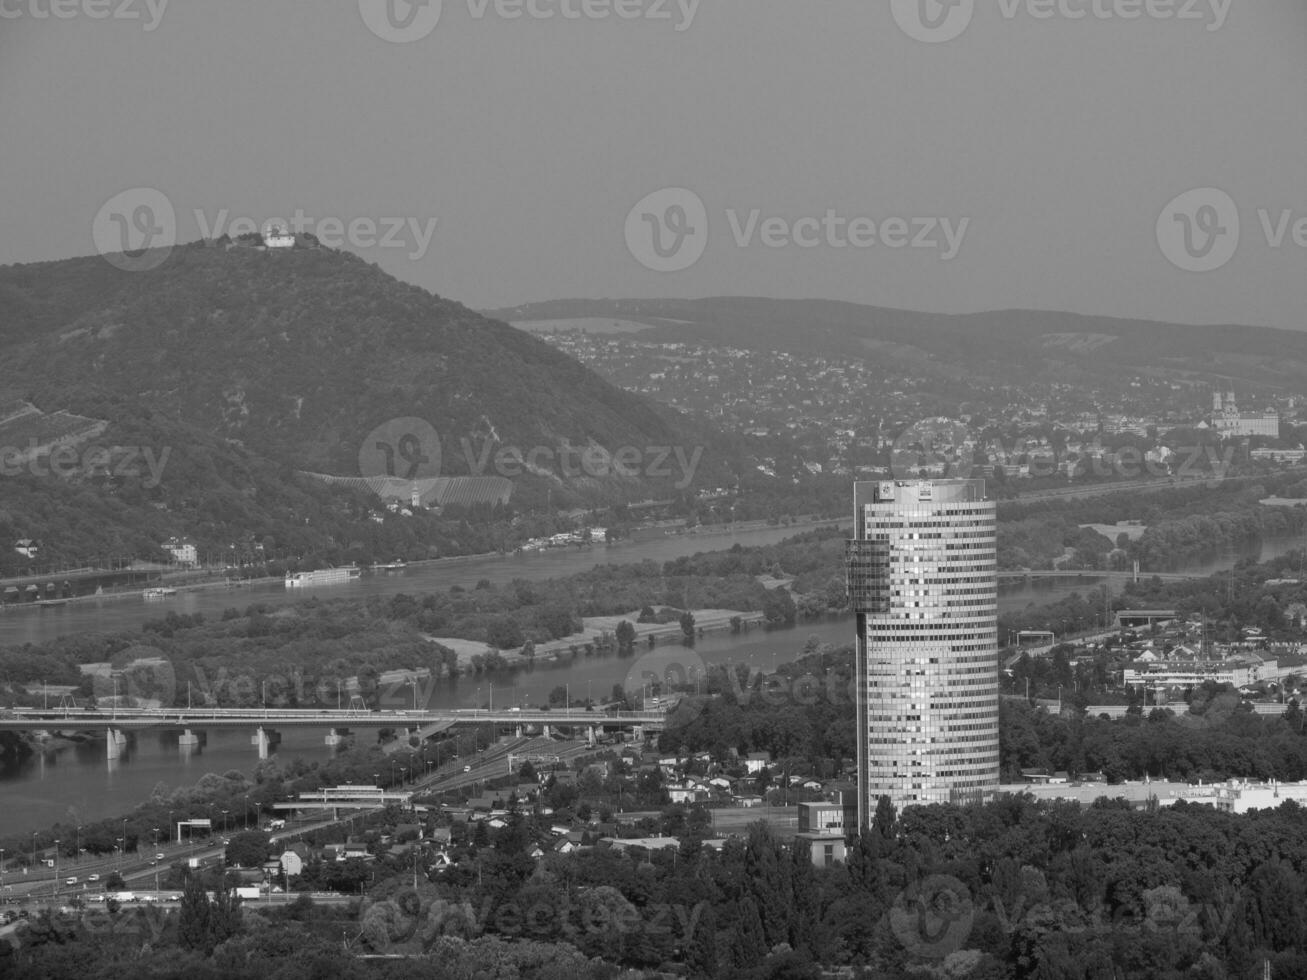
266, 722
1091, 573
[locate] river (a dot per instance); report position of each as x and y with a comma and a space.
79, 783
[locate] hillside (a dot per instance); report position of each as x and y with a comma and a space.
1005, 346
251, 368
299, 355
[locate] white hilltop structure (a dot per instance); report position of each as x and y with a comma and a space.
277, 236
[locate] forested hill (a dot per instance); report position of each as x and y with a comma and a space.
1005, 345
298, 355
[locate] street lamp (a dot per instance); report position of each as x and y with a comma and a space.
122, 846
77, 849
54, 882
33, 851
224, 821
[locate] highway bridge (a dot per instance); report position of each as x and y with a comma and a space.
1089, 573
266, 722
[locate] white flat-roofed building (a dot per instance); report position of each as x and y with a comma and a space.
1237, 672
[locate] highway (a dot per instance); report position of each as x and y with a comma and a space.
46, 886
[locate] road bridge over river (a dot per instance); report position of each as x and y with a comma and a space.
266, 722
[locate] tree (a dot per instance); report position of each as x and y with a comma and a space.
625, 635
778, 607
194, 919
687, 624
249, 849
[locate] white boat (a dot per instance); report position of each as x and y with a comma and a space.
323, 576
158, 593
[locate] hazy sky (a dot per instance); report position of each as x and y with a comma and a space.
1050, 145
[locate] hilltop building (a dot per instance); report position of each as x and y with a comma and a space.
277, 236
922, 576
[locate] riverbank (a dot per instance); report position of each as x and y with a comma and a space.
639, 538
706, 621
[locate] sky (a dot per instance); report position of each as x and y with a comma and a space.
1134, 158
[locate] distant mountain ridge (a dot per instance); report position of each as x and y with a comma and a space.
1007, 345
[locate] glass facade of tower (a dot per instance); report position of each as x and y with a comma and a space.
922, 581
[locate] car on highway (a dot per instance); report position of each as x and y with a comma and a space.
94, 877
160, 856
467, 768
70, 880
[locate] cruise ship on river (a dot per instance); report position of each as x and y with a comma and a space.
323, 576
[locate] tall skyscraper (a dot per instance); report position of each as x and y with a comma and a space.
922, 581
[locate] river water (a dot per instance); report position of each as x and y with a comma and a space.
78, 782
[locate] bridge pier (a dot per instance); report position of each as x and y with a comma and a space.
518, 730
590, 735
638, 732
544, 731
337, 737
264, 739
188, 741
115, 742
